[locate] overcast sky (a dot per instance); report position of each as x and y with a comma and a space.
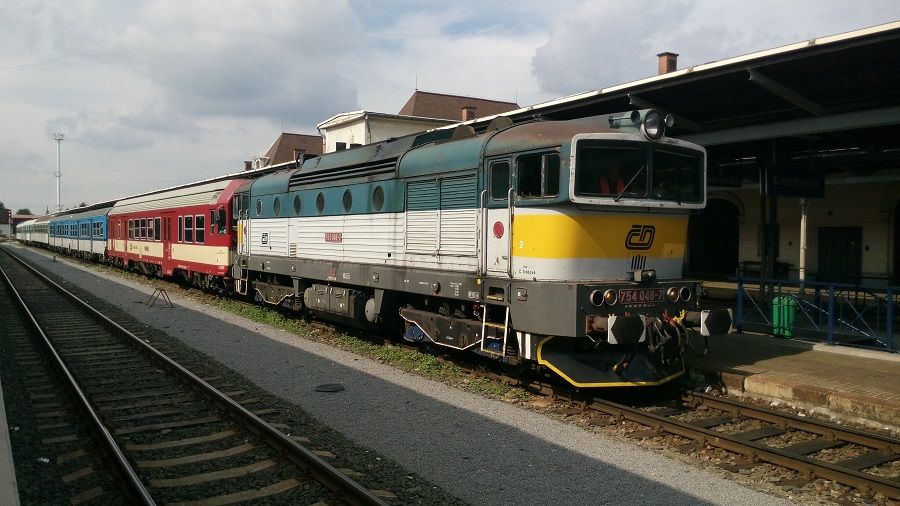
157, 93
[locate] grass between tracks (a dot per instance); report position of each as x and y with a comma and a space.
413, 361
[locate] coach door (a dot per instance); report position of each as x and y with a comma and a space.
166, 236
497, 218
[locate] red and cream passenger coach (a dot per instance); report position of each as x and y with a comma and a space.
184, 231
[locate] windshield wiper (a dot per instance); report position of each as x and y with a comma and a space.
625, 188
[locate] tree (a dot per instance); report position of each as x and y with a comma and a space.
2, 206
24, 210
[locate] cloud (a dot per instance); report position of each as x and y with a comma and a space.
598, 44
275, 60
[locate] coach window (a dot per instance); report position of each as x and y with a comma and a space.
156, 228
131, 229
537, 175
297, 204
188, 229
320, 202
181, 229
199, 228
223, 224
276, 206
499, 180
348, 201
258, 207
212, 221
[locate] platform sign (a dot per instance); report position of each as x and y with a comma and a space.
781, 182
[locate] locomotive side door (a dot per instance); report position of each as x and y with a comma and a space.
241, 216
497, 217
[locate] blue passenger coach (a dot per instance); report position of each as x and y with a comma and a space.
81, 232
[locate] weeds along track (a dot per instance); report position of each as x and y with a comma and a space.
141, 427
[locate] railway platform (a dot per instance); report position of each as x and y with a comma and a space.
847, 383
9, 494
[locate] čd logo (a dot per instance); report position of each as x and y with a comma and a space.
640, 237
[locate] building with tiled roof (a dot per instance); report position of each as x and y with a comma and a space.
423, 111
286, 148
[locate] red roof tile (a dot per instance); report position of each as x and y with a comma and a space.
439, 105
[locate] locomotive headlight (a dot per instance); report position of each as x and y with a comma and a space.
596, 298
685, 293
672, 294
610, 297
655, 124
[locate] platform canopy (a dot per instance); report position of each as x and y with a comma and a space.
830, 104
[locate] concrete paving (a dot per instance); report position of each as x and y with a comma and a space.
848, 383
481, 450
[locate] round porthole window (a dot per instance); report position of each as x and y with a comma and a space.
378, 198
258, 207
297, 204
348, 200
276, 206
320, 202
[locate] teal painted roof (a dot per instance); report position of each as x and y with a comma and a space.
446, 156
271, 184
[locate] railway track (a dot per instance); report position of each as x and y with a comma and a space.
865, 461
168, 434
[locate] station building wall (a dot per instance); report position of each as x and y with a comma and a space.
872, 207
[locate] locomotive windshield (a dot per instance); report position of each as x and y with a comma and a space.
638, 171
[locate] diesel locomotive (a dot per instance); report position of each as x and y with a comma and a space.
556, 244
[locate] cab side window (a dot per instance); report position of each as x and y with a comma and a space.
537, 175
499, 180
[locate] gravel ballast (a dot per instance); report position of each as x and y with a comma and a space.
481, 450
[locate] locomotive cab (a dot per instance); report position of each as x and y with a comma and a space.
607, 261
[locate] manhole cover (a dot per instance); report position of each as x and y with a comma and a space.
330, 387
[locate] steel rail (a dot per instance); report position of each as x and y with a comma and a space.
825, 429
752, 449
349, 490
134, 485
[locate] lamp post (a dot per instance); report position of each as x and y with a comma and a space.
58, 137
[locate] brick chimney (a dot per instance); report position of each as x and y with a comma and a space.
248, 165
668, 62
468, 113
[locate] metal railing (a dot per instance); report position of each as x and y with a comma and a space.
835, 313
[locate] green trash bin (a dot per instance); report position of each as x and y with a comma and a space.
784, 311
